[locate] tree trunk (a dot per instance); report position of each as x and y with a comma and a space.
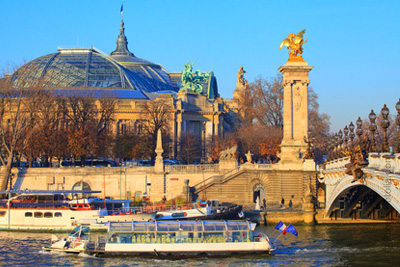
6, 173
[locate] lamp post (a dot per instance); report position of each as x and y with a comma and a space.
359, 130
336, 140
372, 128
340, 134
398, 124
351, 135
385, 125
346, 132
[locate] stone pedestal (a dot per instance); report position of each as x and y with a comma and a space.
295, 113
159, 161
309, 165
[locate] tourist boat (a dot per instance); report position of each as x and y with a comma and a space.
53, 210
168, 239
203, 210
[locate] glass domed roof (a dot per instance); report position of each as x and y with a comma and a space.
89, 68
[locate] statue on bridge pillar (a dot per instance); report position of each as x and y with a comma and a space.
357, 162
295, 103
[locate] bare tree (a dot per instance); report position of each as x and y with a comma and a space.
189, 147
267, 100
156, 115
88, 118
19, 108
46, 140
262, 140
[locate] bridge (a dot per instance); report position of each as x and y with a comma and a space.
375, 196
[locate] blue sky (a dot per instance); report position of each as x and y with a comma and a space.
353, 45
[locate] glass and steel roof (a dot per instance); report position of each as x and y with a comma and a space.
89, 68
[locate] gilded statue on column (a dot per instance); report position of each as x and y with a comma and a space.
294, 42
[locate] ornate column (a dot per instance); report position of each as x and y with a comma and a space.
295, 110
216, 124
203, 141
178, 130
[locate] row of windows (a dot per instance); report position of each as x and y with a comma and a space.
43, 214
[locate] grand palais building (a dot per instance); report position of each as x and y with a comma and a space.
133, 81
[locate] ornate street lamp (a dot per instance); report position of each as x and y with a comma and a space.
351, 135
359, 131
385, 125
340, 134
336, 142
372, 128
346, 132
398, 124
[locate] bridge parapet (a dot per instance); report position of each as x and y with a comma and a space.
337, 163
386, 162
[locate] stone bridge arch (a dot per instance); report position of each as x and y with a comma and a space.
384, 185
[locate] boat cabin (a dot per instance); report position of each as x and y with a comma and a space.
181, 232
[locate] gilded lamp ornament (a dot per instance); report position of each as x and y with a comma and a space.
294, 42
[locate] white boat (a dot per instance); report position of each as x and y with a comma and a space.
51, 210
173, 239
75, 243
200, 210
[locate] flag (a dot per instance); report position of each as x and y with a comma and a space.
291, 229
122, 10
281, 227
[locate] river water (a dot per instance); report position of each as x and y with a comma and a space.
322, 245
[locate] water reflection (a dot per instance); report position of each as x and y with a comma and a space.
323, 245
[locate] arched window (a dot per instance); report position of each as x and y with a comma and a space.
82, 186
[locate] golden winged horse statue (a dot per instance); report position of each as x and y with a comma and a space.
294, 43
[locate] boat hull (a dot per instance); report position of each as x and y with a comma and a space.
184, 249
62, 250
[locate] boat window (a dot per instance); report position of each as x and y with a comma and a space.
57, 214
48, 215
2, 213
179, 214
28, 214
38, 215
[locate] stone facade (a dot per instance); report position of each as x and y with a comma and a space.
295, 112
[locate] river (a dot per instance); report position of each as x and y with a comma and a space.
321, 245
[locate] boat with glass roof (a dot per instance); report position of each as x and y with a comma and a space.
170, 239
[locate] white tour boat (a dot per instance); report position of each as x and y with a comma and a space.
169, 239
51, 210
202, 210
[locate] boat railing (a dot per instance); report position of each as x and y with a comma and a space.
49, 204
151, 209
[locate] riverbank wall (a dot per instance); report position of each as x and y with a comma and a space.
298, 217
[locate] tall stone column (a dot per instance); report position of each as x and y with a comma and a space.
295, 112
216, 124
